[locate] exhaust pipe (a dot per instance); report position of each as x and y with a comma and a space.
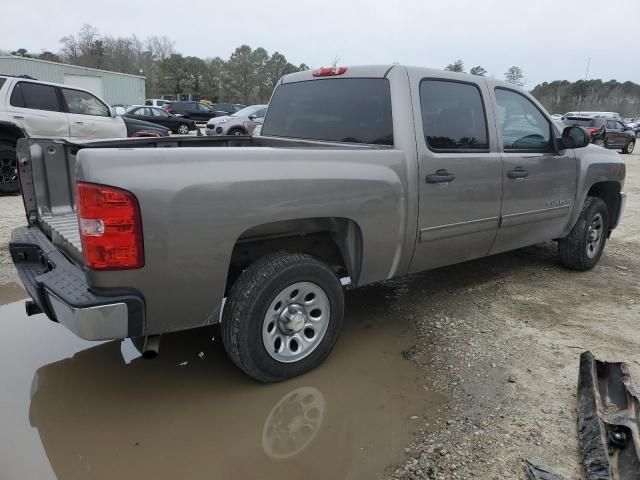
151, 346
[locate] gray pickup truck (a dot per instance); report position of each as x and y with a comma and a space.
360, 174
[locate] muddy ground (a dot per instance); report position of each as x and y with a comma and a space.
462, 372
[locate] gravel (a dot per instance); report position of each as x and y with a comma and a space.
500, 338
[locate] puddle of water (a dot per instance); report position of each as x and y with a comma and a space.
11, 292
74, 409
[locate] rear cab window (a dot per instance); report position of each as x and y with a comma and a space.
351, 110
453, 116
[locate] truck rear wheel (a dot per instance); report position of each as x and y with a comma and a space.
583, 247
282, 316
8, 168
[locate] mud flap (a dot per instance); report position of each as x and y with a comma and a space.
608, 420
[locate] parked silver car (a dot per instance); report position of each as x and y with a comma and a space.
243, 122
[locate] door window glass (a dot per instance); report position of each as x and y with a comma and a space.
453, 116
157, 112
611, 124
203, 108
523, 126
84, 103
36, 96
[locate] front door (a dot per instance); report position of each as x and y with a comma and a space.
539, 184
90, 118
460, 172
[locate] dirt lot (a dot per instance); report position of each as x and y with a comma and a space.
461, 372
500, 338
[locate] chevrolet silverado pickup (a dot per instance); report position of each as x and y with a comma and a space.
360, 174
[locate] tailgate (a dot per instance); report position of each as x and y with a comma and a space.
47, 178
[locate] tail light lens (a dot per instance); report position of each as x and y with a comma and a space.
593, 130
110, 227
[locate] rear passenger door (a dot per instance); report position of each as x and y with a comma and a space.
460, 171
539, 184
36, 108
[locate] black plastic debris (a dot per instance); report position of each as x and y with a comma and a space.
539, 472
608, 420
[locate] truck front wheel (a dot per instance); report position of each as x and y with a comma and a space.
282, 316
583, 247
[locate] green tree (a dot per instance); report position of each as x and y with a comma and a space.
457, 66
21, 52
478, 70
515, 75
240, 74
173, 76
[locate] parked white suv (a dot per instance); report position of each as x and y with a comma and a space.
30, 108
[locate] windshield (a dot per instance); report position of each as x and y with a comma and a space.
245, 112
354, 110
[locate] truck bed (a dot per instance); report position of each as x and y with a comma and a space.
48, 172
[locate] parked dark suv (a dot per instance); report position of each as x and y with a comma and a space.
606, 132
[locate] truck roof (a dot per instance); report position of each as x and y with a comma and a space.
381, 71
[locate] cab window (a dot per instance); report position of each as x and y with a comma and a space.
83, 103
523, 126
453, 117
35, 96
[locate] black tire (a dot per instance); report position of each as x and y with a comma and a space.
8, 169
237, 131
628, 149
574, 249
600, 142
247, 304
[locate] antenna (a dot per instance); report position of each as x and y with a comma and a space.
586, 74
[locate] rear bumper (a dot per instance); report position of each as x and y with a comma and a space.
59, 288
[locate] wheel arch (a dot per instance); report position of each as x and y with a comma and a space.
335, 240
11, 132
609, 192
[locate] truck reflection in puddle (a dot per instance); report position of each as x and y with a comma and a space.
191, 414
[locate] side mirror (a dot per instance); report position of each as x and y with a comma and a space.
252, 117
576, 137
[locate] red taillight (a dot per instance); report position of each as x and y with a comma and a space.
169, 110
592, 130
329, 71
110, 227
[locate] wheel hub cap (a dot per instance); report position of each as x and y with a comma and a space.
292, 319
296, 321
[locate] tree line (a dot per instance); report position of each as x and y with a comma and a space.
248, 76
562, 96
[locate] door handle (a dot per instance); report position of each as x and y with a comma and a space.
441, 176
79, 123
517, 173
18, 117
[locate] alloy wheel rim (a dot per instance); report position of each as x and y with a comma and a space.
594, 236
296, 322
631, 146
183, 129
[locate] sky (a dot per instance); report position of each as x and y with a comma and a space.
548, 39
